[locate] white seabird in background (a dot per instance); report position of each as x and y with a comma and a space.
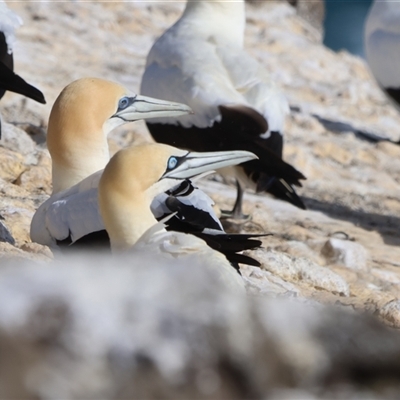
200, 61
80, 120
382, 45
126, 189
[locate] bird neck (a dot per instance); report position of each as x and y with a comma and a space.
223, 21
126, 220
75, 160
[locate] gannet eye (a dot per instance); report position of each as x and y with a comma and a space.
172, 162
123, 103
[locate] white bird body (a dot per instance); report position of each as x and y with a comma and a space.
382, 45
200, 61
69, 214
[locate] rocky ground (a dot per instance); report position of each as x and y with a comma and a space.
343, 250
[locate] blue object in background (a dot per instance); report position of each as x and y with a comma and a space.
344, 25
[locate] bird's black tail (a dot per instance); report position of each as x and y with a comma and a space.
280, 189
190, 219
231, 245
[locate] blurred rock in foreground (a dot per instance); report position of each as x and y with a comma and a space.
97, 328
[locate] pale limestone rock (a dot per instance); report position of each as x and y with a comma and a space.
10, 253
36, 178
391, 312
261, 282
12, 164
17, 208
326, 150
390, 149
36, 248
351, 254
387, 276
299, 233
13, 195
366, 156
298, 249
303, 271
18, 220
393, 205
16, 139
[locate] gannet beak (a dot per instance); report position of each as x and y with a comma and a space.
143, 107
193, 164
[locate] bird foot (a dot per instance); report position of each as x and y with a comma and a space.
235, 216
244, 224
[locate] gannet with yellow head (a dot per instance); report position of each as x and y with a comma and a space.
82, 116
126, 190
200, 61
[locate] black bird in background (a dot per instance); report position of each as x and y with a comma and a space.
9, 80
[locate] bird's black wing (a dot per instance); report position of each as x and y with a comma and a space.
94, 241
394, 93
5, 57
240, 129
189, 219
190, 215
14, 83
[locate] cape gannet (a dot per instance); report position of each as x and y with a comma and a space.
382, 46
9, 21
200, 61
82, 116
126, 189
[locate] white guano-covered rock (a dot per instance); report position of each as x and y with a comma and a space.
345, 252
302, 270
16, 139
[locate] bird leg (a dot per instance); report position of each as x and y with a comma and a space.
236, 212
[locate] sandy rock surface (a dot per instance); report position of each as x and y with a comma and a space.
343, 250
